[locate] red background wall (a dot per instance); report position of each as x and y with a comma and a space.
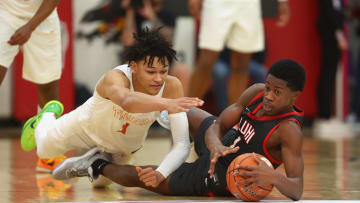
299, 41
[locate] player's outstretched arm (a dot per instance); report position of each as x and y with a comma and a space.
179, 127
291, 146
115, 87
227, 119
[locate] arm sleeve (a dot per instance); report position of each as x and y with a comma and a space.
181, 144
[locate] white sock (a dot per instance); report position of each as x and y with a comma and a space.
47, 120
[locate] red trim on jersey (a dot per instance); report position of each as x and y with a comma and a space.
264, 146
257, 108
255, 98
268, 136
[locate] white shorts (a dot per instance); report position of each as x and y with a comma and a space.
42, 53
238, 23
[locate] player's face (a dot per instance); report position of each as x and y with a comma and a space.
149, 79
278, 98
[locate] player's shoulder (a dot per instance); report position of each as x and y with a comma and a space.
289, 130
172, 83
115, 76
173, 87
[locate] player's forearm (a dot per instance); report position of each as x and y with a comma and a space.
213, 135
166, 31
136, 102
45, 9
129, 28
290, 187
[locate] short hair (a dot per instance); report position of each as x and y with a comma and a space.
290, 71
150, 43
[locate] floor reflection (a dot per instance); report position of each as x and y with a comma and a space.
331, 173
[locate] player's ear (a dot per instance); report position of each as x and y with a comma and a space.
296, 94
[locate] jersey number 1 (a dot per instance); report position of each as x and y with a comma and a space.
124, 127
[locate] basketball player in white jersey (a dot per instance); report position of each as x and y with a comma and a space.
116, 119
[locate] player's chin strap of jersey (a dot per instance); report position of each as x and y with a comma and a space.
181, 144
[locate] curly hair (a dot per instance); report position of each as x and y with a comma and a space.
150, 43
290, 71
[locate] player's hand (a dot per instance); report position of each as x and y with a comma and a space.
217, 151
125, 4
195, 8
182, 104
257, 175
149, 176
21, 35
147, 11
284, 14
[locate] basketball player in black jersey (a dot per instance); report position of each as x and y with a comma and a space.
264, 120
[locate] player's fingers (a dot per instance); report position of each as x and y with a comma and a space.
251, 186
138, 169
244, 173
12, 40
147, 175
145, 171
212, 166
230, 150
249, 168
149, 179
244, 181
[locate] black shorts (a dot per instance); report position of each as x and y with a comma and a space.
192, 179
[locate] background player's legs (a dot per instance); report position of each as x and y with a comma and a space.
201, 77
2, 73
48, 92
238, 80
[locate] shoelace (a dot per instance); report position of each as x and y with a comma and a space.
73, 172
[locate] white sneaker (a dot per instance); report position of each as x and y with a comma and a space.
79, 166
163, 119
332, 129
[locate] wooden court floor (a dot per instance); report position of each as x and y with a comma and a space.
332, 172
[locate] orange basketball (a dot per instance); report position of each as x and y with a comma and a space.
240, 191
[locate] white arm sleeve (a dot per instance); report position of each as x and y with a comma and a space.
181, 144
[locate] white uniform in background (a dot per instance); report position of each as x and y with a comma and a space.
42, 52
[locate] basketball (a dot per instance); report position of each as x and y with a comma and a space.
240, 191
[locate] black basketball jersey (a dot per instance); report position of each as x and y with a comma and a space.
252, 132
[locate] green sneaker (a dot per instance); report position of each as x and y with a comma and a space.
28, 142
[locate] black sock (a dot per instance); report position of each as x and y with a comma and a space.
98, 166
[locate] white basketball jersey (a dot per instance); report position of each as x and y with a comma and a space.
112, 127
